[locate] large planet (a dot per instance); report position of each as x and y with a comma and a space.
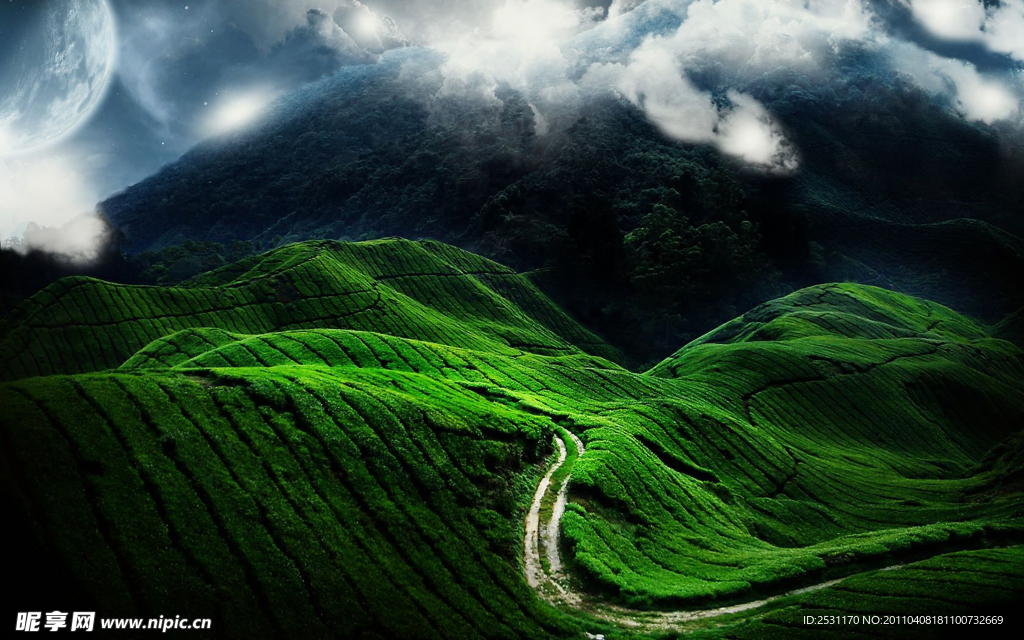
55, 73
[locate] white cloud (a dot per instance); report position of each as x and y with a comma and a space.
529, 45
744, 38
441, 23
49, 193
368, 29
521, 46
1004, 29
748, 132
999, 27
951, 19
979, 98
741, 40
975, 96
522, 38
6, 139
78, 241
654, 80
619, 7
750, 34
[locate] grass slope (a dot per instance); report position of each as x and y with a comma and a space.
981, 582
1011, 328
422, 290
270, 447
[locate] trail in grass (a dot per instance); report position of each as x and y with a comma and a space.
536, 576
552, 583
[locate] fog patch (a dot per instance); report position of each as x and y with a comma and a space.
46, 204
1000, 27
655, 81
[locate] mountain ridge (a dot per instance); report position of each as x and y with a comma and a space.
920, 200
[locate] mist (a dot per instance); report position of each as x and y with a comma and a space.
46, 204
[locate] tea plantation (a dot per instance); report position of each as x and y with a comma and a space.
343, 440
427, 291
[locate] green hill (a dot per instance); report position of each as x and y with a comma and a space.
1011, 328
344, 439
423, 290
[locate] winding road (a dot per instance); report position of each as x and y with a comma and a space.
552, 584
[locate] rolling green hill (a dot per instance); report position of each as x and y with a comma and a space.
424, 290
343, 440
1011, 328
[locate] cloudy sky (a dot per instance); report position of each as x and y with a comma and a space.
186, 70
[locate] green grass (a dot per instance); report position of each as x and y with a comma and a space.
981, 582
1011, 328
342, 439
424, 290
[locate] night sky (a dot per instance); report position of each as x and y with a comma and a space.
181, 61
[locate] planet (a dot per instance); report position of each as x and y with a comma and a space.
55, 73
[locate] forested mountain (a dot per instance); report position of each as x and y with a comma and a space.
894, 188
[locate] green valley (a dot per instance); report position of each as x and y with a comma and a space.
403, 439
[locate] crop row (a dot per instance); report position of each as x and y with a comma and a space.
83, 325
321, 502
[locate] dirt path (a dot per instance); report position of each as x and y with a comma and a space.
552, 584
536, 577
553, 531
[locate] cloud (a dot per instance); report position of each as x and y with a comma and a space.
752, 36
742, 40
618, 7
78, 241
438, 23
747, 37
654, 80
999, 26
1004, 29
520, 45
320, 47
694, 66
978, 97
695, 80
6, 138
46, 203
749, 133
952, 19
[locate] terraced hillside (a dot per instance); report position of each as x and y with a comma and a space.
347, 439
424, 290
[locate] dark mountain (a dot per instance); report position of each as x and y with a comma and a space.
894, 189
